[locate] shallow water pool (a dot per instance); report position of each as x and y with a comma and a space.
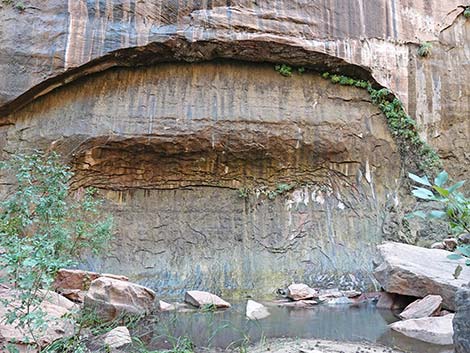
229, 329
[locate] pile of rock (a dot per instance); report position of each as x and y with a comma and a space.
426, 275
300, 295
108, 296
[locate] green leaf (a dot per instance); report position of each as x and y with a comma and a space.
424, 194
443, 192
456, 186
454, 256
441, 179
458, 271
421, 180
464, 250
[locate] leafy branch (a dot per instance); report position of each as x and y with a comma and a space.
455, 208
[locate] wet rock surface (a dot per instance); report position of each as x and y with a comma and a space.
416, 271
182, 143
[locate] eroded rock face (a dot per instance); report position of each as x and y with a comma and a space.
171, 145
195, 159
54, 42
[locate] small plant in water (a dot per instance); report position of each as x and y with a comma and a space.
455, 208
425, 49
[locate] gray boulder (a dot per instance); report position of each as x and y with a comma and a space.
461, 321
415, 271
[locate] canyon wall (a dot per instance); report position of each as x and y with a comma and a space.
221, 173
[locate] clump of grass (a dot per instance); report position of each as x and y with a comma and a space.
425, 49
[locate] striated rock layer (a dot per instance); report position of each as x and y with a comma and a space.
53, 42
173, 146
226, 176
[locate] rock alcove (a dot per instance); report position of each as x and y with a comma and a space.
225, 175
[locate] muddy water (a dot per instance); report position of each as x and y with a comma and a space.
230, 329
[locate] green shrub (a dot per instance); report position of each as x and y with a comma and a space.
44, 227
284, 70
455, 207
425, 49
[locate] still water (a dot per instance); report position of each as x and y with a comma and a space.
228, 329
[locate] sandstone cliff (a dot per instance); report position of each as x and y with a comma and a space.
173, 145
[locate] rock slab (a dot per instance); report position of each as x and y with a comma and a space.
435, 330
110, 298
301, 291
461, 321
415, 271
420, 308
256, 311
118, 338
200, 299
164, 306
